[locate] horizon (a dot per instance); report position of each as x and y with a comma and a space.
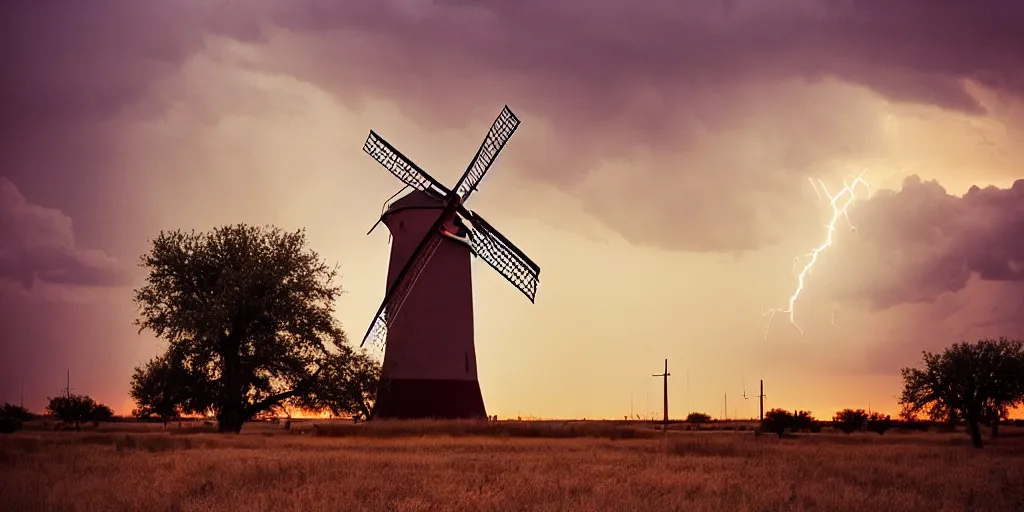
667, 178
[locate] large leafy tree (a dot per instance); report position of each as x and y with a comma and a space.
249, 309
975, 382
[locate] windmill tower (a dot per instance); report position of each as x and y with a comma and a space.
425, 322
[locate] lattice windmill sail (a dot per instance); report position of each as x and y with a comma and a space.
454, 224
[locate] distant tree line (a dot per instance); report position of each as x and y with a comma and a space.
974, 384
71, 409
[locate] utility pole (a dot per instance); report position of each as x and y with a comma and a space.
67, 390
664, 377
725, 408
760, 402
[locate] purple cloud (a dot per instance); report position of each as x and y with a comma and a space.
915, 244
711, 106
38, 244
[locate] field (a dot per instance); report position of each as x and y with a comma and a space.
502, 466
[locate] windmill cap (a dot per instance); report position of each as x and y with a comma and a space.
415, 199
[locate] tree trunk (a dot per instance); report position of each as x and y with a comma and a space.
975, 429
230, 417
995, 427
230, 422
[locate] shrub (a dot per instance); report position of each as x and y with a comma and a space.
698, 417
878, 423
16, 411
850, 420
803, 421
101, 412
777, 421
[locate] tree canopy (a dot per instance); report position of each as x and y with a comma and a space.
976, 382
248, 315
347, 385
167, 388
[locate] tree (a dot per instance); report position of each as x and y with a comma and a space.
878, 423
347, 385
698, 417
850, 420
973, 382
248, 308
72, 409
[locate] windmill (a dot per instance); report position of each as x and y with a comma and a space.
425, 322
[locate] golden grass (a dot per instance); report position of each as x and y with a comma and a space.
504, 466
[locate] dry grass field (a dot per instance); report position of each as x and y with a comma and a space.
504, 466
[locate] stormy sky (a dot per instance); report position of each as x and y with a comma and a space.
661, 178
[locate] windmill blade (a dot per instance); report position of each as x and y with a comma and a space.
389, 308
503, 256
398, 164
499, 134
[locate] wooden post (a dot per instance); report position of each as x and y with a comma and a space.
760, 400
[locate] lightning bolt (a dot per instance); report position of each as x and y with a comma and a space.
840, 204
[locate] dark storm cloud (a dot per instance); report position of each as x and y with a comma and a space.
87, 61
917, 50
711, 105
38, 243
920, 242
